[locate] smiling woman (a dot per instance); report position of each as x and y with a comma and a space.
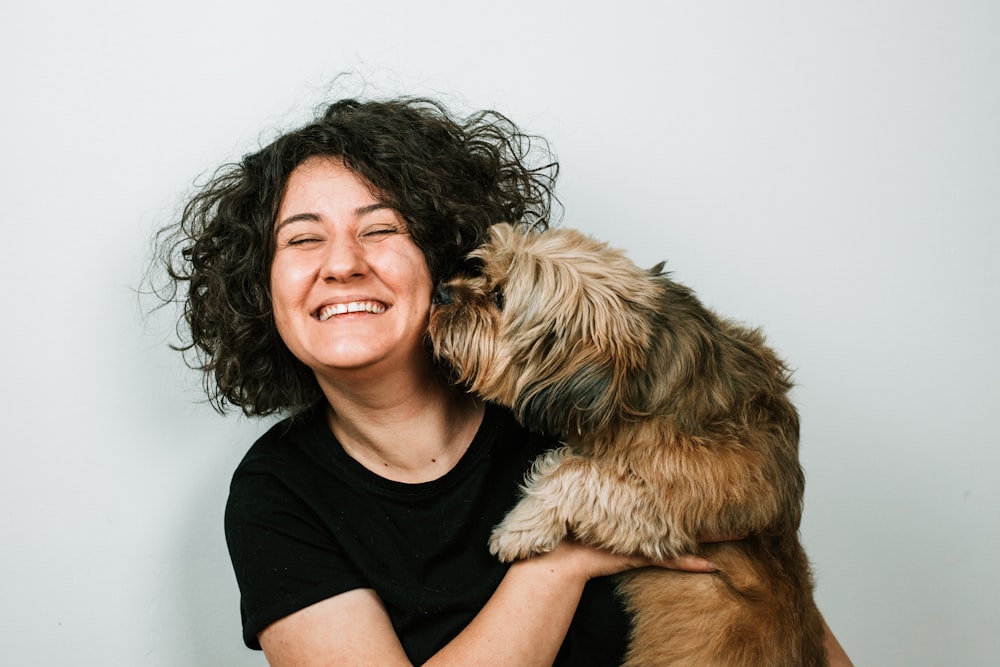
358, 526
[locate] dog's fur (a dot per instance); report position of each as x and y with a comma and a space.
677, 425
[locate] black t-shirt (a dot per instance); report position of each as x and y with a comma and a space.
305, 522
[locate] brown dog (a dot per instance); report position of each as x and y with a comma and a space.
676, 423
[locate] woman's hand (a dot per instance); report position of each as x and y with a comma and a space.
591, 562
594, 562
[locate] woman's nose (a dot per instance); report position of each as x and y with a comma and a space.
343, 260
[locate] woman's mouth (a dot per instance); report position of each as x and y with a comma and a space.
334, 309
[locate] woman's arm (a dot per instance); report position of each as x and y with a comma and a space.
524, 622
351, 628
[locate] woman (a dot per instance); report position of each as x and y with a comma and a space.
357, 527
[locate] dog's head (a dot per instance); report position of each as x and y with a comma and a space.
551, 325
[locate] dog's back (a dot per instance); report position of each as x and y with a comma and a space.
757, 611
718, 397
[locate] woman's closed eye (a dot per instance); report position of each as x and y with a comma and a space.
302, 240
379, 232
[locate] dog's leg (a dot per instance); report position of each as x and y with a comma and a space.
537, 523
567, 494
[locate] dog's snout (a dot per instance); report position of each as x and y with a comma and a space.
442, 295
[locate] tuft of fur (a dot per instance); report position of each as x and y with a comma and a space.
676, 423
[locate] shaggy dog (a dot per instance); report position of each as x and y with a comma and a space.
676, 424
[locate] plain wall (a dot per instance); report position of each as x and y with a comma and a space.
829, 171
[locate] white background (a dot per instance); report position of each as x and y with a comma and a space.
830, 171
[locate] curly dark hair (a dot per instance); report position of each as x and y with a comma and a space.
449, 178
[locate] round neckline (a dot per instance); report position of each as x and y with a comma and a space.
480, 446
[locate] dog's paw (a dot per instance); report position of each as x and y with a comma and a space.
512, 545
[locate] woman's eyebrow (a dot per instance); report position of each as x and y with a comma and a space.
298, 217
370, 208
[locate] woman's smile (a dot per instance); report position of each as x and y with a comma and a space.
337, 309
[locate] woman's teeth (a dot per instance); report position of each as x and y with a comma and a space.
352, 307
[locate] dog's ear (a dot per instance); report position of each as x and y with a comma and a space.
583, 401
591, 313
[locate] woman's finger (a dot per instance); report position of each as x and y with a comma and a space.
688, 563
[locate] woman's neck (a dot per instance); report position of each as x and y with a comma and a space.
408, 427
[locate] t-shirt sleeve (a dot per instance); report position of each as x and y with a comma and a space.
284, 557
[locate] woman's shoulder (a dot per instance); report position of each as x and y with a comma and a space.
508, 432
281, 459
283, 440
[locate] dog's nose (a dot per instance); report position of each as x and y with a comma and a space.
442, 296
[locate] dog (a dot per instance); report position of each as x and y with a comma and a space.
675, 425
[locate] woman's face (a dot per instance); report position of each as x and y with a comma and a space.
349, 287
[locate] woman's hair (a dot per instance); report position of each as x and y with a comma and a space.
449, 178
